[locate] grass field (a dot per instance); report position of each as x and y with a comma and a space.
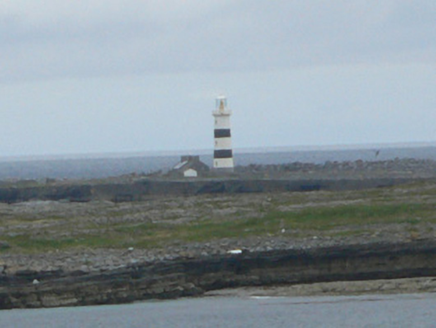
159, 222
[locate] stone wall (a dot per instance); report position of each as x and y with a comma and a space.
139, 190
252, 178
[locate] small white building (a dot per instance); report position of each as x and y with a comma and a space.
189, 167
190, 173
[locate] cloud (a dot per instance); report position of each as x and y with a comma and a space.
58, 39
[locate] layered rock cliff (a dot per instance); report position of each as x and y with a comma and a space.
193, 276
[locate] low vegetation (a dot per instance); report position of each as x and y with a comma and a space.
50, 226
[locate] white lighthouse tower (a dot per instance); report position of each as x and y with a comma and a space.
223, 154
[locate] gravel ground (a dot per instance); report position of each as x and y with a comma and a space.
64, 219
88, 260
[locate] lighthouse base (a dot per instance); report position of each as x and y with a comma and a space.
223, 170
223, 164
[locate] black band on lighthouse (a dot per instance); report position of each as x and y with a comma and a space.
222, 133
223, 153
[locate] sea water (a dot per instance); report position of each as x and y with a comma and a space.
407, 310
78, 168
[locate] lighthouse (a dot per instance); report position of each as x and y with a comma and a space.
223, 154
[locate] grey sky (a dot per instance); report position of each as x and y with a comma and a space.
122, 76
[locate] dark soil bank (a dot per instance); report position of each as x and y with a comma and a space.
195, 276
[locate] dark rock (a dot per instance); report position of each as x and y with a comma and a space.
193, 276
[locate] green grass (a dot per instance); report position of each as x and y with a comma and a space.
26, 242
327, 217
321, 219
355, 218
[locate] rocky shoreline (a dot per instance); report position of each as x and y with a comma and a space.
335, 288
195, 276
69, 253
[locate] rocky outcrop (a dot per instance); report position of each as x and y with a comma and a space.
193, 276
394, 168
246, 179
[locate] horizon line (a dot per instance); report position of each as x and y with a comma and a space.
241, 150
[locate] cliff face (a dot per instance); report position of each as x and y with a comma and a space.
193, 276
